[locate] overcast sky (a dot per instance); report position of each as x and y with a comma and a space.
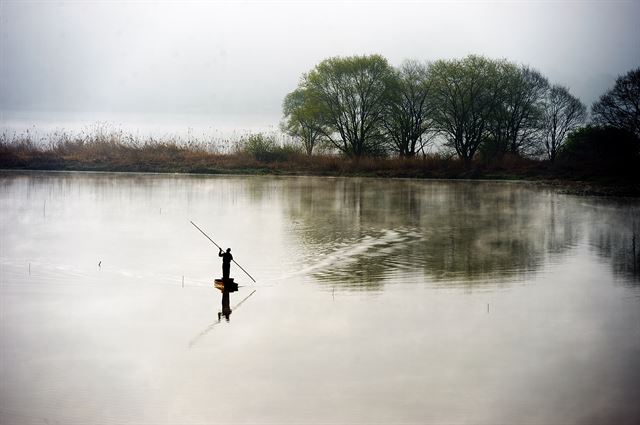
243, 57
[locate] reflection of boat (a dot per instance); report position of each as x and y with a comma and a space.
226, 285
226, 309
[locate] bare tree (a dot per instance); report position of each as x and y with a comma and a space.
620, 106
406, 116
563, 112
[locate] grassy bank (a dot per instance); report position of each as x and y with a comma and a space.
250, 157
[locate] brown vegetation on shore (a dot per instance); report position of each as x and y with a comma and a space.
116, 154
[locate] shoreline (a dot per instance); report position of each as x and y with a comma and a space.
261, 155
617, 188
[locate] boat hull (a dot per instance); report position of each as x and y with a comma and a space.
226, 285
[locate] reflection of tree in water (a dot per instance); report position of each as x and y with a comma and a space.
363, 230
359, 231
615, 235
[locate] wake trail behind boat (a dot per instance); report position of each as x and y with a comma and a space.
389, 241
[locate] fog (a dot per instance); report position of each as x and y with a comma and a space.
215, 58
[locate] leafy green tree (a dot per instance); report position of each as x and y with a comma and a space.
620, 106
465, 94
303, 119
407, 118
351, 94
563, 112
518, 113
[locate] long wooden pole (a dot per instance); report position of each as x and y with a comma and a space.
201, 231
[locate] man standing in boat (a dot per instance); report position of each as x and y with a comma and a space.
226, 262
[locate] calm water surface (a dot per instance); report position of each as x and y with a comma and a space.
377, 301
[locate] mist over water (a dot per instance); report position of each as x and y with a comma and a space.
379, 301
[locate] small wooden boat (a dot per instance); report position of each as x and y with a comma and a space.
226, 284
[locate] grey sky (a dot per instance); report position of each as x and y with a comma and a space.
226, 57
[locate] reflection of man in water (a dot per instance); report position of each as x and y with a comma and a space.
226, 262
226, 308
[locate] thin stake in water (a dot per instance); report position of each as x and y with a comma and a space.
635, 260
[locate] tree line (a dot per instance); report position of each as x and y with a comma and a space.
363, 106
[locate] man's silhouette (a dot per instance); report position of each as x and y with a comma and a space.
226, 262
